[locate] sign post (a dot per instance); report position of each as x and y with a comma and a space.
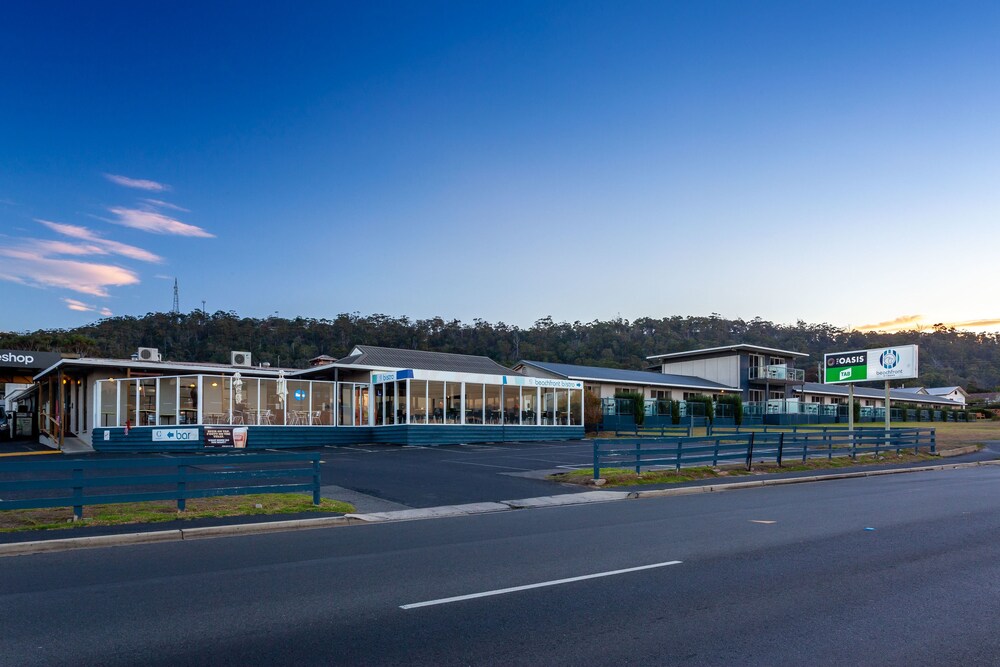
887, 363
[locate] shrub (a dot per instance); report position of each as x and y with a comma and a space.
638, 404
736, 401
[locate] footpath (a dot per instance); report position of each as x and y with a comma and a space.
380, 511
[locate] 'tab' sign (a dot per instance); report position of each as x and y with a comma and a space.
886, 363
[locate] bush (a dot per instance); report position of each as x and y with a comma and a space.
592, 413
638, 404
709, 406
675, 412
736, 401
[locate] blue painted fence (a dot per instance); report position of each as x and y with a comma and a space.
747, 446
79, 482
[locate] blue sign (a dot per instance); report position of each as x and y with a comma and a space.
300, 394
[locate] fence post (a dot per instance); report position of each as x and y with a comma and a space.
638, 456
316, 480
597, 459
933, 441
805, 447
781, 447
78, 493
854, 445
181, 487
679, 445
750, 450
715, 454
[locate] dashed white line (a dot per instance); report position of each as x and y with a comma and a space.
515, 589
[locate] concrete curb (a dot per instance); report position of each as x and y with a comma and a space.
565, 500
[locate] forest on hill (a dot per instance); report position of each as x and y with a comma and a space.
947, 356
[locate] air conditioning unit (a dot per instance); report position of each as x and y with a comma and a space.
240, 358
149, 354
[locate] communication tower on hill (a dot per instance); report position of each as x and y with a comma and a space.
177, 301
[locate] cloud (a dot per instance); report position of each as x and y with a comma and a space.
80, 306
106, 312
970, 324
165, 204
137, 183
29, 267
896, 324
96, 244
156, 223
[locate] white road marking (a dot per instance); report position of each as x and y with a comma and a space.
485, 465
761, 521
515, 589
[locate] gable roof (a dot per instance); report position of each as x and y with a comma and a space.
624, 376
868, 392
944, 391
716, 351
399, 359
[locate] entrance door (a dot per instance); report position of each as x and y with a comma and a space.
361, 405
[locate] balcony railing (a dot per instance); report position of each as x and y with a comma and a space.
777, 372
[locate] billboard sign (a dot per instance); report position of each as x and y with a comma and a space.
885, 363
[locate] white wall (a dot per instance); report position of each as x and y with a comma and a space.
725, 370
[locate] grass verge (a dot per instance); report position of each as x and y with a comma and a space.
627, 476
166, 510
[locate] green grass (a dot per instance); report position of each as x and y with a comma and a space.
157, 511
627, 477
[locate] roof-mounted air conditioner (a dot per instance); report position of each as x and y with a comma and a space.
239, 358
149, 354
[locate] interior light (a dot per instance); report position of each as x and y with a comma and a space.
215, 384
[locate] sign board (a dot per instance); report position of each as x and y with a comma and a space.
28, 359
226, 436
885, 363
175, 435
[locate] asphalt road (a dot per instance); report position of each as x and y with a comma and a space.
778, 575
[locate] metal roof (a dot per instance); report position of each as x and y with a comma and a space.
713, 351
389, 357
162, 367
868, 392
624, 376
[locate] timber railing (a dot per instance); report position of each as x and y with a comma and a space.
79, 482
747, 446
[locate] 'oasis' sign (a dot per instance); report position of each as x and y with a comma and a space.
886, 363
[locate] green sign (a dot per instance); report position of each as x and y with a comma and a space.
847, 367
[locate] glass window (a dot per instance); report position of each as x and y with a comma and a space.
473, 403
147, 402
299, 398
575, 408
529, 405
126, 406
493, 408
418, 401
109, 402
379, 405
271, 410
167, 395
323, 394
188, 400
511, 404
390, 403
548, 406
246, 401
346, 416
401, 402
215, 402
453, 412
435, 398
562, 407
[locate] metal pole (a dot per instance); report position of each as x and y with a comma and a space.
850, 407
887, 405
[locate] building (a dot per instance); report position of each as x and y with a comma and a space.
372, 395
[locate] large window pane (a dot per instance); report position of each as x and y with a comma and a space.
453, 391
548, 406
109, 402
147, 402
322, 403
418, 401
167, 395
126, 406
401, 402
346, 415
215, 402
271, 410
379, 404
511, 404
575, 408
435, 392
246, 402
298, 402
529, 405
188, 413
492, 404
473, 403
562, 407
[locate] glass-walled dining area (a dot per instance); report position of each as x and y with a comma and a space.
216, 399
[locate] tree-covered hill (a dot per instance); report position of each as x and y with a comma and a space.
947, 356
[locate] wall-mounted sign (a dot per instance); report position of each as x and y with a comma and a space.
175, 435
885, 363
28, 359
378, 378
542, 382
226, 436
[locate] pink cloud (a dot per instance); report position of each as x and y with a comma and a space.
137, 183
97, 245
32, 268
156, 223
79, 306
106, 312
165, 204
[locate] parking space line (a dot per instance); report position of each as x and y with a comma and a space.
486, 465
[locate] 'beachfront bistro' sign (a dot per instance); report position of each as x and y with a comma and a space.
886, 363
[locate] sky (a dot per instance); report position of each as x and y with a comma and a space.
832, 162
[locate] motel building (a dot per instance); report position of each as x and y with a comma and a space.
373, 395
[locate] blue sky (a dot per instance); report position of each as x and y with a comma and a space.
825, 161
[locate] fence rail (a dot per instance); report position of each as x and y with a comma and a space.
77, 483
747, 446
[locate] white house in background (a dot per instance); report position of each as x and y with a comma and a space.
954, 394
